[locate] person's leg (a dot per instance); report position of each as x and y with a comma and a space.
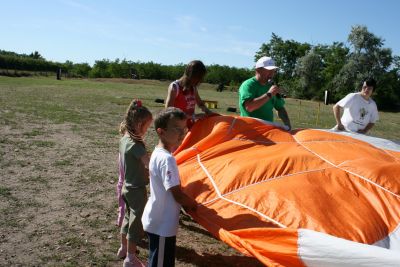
136, 200
122, 251
161, 251
169, 251
131, 247
153, 249
121, 254
135, 204
131, 259
124, 241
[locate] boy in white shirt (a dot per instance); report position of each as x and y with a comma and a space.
161, 214
360, 111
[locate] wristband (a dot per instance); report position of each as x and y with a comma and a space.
269, 95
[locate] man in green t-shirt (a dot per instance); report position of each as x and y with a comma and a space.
257, 97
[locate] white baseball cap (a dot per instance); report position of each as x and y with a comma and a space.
266, 63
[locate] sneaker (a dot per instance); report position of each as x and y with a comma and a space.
134, 263
121, 254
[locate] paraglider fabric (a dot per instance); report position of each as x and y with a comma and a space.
300, 198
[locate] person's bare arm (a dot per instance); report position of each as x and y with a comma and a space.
169, 102
283, 115
200, 103
180, 197
336, 113
367, 128
253, 104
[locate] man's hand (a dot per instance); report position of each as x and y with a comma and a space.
367, 128
340, 127
274, 90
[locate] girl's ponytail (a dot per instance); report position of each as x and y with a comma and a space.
136, 115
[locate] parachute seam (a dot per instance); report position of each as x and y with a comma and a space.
271, 142
232, 201
381, 147
337, 166
267, 180
390, 154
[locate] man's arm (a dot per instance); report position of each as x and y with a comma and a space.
180, 197
283, 115
367, 128
252, 104
255, 103
336, 113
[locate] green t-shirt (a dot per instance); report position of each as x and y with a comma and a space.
131, 153
251, 89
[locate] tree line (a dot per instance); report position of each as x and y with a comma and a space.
306, 71
105, 68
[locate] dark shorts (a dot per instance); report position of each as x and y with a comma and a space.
135, 200
161, 251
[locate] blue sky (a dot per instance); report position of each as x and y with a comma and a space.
171, 32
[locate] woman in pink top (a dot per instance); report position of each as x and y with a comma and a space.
183, 93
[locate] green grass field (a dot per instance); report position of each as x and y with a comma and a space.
85, 101
58, 169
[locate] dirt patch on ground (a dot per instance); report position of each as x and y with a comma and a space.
58, 205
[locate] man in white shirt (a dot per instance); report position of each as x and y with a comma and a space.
360, 111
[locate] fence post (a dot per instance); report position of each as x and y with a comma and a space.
327, 95
318, 111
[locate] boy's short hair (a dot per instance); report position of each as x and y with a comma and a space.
165, 115
370, 82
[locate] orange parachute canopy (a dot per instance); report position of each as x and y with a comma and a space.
301, 198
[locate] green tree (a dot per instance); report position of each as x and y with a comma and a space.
309, 69
67, 67
100, 69
387, 94
81, 69
114, 69
36, 55
367, 59
285, 54
334, 57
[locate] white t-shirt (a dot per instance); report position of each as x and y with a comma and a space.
358, 112
161, 213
